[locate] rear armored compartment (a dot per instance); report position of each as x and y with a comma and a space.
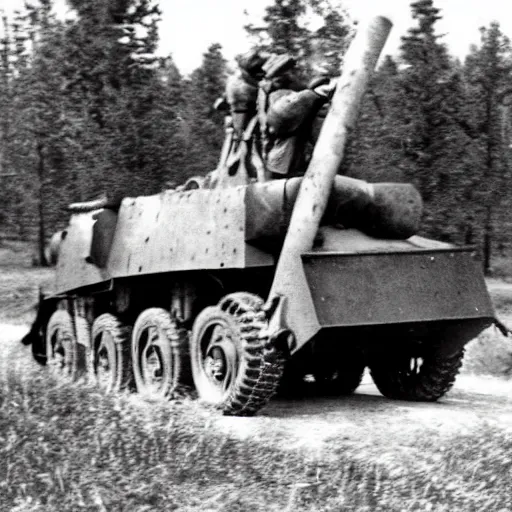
387, 287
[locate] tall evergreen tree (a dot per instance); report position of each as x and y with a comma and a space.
488, 72
93, 109
285, 30
334, 35
33, 146
433, 140
5, 80
427, 65
123, 111
376, 151
282, 29
5, 116
204, 123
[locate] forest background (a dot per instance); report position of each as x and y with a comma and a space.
87, 106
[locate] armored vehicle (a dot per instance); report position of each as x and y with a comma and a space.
234, 285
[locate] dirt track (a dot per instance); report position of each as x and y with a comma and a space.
389, 431
384, 429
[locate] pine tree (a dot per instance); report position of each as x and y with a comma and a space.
5, 80
285, 30
119, 110
334, 35
30, 146
36, 137
204, 124
422, 84
282, 29
488, 74
376, 151
90, 109
433, 140
5, 118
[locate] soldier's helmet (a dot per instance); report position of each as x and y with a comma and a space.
252, 62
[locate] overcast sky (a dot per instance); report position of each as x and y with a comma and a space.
188, 27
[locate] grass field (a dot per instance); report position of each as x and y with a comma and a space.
69, 447
20, 282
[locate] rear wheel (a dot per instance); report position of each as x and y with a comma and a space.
339, 377
234, 365
159, 353
65, 357
111, 363
416, 378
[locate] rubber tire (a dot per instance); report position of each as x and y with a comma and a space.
395, 379
259, 363
117, 346
342, 378
71, 364
174, 353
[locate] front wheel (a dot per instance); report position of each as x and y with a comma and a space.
424, 379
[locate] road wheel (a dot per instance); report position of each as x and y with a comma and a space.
416, 378
65, 357
111, 356
159, 353
339, 376
233, 364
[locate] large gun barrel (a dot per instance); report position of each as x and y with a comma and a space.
359, 64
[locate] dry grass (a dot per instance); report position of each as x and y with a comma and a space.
491, 352
20, 282
68, 447
502, 268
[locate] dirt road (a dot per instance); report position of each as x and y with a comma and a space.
373, 426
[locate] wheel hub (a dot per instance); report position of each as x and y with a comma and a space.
103, 367
220, 360
59, 350
216, 364
152, 366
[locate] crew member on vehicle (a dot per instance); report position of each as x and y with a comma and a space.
288, 111
242, 89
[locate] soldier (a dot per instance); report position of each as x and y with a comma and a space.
242, 89
290, 116
266, 89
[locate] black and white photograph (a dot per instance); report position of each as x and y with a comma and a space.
255, 256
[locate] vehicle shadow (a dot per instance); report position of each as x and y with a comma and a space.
367, 399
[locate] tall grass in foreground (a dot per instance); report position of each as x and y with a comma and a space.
67, 448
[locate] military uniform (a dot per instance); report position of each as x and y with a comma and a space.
290, 117
287, 110
242, 89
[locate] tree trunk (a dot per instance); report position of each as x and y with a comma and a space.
489, 178
488, 232
41, 242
